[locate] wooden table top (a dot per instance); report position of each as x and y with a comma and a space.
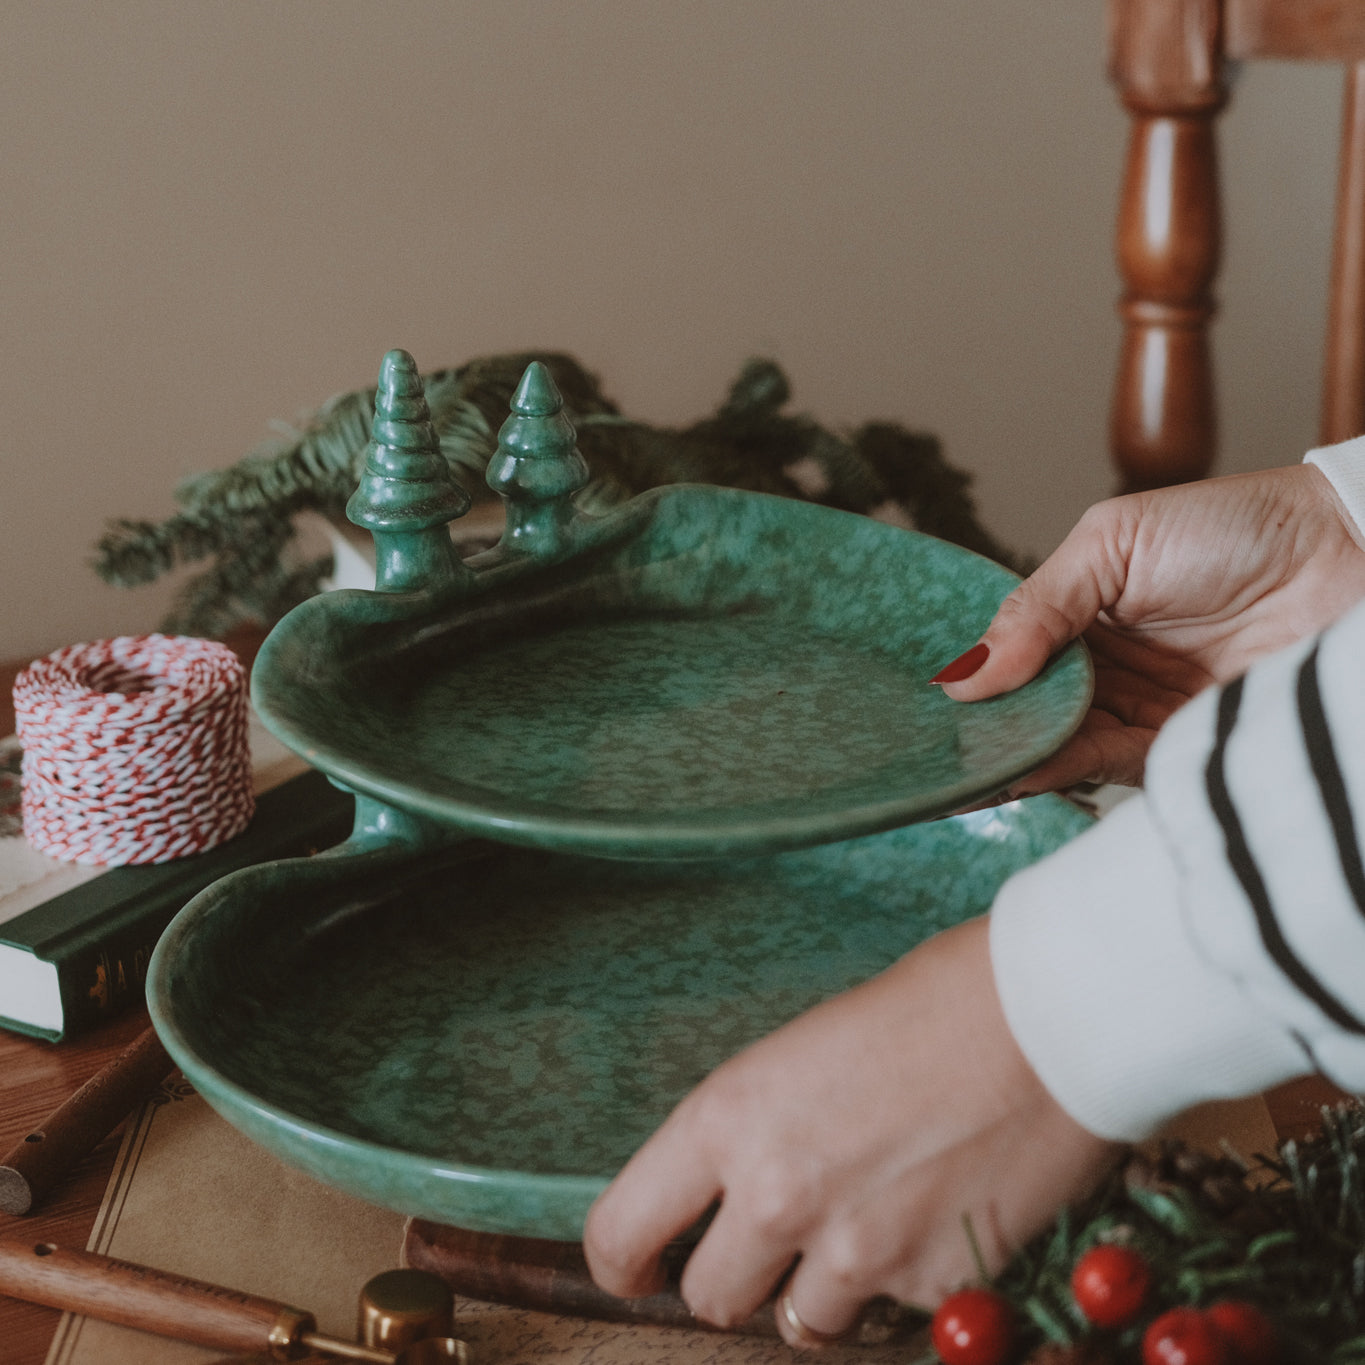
36, 1077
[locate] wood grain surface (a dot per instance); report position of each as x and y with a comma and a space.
35, 1078
42, 1158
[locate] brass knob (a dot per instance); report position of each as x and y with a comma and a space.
400, 1307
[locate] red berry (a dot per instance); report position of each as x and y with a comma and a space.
1184, 1336
973, 1327
1250, 1335
1110, 1284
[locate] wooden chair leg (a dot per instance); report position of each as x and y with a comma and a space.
1163, 426
1343, 393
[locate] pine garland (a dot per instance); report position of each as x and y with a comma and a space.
242, 517
1284, 1233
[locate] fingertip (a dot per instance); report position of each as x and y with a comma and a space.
971, 689
964, 666
659, 1193
1014, 651
614, 1264
991, 677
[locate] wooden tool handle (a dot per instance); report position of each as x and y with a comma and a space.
150, 1300
553, 1277
45, 1155
528, 1272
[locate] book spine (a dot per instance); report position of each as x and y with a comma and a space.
99, 980
101, 944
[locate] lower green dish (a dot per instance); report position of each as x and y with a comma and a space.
482, 1035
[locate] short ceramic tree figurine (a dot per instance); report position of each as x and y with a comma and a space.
537, 468
406, 495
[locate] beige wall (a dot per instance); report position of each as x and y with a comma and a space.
213, 215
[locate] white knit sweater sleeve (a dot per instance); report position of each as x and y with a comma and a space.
1207, 939
1344, 465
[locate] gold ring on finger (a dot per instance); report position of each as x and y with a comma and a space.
806, 1335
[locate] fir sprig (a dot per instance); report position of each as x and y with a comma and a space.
1286, 1234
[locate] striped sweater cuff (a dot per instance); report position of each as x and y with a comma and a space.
1344, 466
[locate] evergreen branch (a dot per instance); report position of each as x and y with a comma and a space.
231, 589
135, 552
1293, 1245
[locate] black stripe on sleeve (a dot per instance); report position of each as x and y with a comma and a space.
1249, 875
1323, 758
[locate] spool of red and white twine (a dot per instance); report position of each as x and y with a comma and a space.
135, 749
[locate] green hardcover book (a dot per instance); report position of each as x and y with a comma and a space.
76, 957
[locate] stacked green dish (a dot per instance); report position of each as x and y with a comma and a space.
727, 691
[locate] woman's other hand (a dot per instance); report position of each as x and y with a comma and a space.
858, 1138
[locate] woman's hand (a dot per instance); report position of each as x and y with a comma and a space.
859, 1138
1172, 590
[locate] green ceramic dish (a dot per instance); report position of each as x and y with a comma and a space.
482, 1035
709, 672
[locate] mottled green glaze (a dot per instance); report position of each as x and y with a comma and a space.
406, 495
537, 468
702, 672
483, 1035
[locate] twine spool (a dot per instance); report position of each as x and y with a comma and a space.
135, 749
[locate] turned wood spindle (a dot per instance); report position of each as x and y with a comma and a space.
1166, 62
1343, 391
1169, 60
1164, 421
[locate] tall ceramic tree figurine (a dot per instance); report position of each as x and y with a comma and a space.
406, 495
537, 467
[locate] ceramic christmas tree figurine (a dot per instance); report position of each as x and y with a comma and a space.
537, 467
406, 495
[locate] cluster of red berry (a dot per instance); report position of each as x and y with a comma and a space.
1110, 1284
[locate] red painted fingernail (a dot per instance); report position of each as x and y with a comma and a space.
964, 666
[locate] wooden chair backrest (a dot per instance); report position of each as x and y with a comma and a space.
1169, 59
